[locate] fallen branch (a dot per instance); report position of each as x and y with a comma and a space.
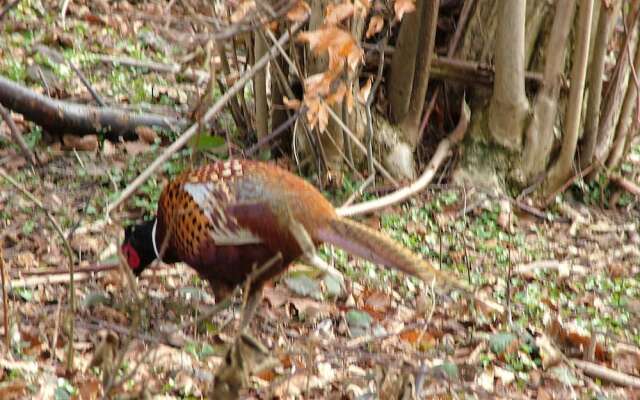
606, 374
59, 116
32, 281
208, 116
564, 268
107, 266
627, 185
404, 193
584, 172
195, 75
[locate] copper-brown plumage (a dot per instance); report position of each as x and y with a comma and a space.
225, 218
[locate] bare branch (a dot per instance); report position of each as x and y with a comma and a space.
193, 129
402, 194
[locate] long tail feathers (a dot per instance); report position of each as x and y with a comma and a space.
360, 240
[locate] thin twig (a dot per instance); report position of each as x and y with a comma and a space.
359, 191
441, 153
5, 301
277, 132
17, 137
369, 103
584, 172
58, 229
337, 119
56, 329
189, 133
63, 13
99, 267
362, 147
87, 84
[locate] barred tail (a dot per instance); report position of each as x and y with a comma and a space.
360, 240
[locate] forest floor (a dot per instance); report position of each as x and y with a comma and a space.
569, 276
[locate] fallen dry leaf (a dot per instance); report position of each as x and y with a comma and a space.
363, 93
146, 134
378, 301
401, 7
25, 260
15, 389
299, 11
337, 13
293, 104
82, 143
137, 147
375, 25
242, 10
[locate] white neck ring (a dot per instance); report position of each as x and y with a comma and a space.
153, 238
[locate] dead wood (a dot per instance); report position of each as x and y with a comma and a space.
57, 116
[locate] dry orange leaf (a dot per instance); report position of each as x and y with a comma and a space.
375, 25
350, 98
146, 134
299, 11
323, 117
401, 7
338, 13
337, 42
363, 93
318, 84
362, 6
242, 10
81, 143
378, 301
293, 104
418, 337
337, 95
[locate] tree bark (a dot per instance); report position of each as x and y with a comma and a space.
626, 120
509, 104
562, 170
58, 116
606, 20
616, 93
411, 122
260, 91
539, 136
403, 64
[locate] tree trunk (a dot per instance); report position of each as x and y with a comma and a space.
411, 122
260, 91
509, 105
562, 169
403, 64
596, 70
539, 137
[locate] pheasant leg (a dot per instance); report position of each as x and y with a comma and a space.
246, 355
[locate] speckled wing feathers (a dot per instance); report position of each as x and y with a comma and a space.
194, 209
224, 229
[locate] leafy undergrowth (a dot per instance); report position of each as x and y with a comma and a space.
383, 335
570, 280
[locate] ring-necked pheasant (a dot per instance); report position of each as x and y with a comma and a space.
227, 218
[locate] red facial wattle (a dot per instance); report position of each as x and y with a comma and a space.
132, 256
